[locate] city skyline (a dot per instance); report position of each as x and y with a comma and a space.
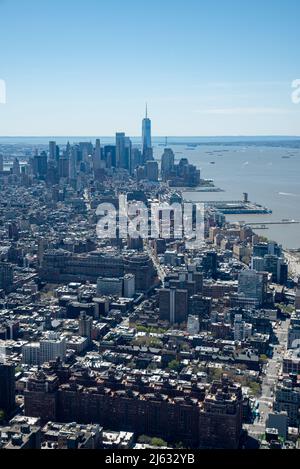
149, 226
204, 68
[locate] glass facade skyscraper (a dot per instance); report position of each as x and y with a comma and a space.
147, 141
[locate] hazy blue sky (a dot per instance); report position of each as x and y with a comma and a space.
206, 67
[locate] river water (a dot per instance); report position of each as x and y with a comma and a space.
271, 176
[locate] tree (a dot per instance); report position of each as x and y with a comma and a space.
263, 358
255, 388
185, 347
142, 329
2, 415
215, 374
158, 442
144, 439
175, 365
246, 260
147, 341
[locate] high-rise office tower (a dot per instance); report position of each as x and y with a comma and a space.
6, 275
129, 286
40, 165
136, 159
110, 156
152, 171
98, 149
98, 163
146, 136
52, 348
272, 264
167, 163
13, 231
239, 328
7, 388
52, 173
252, 286
123, 151
73, 164
42, 243
16, 169
210, 264
258, 264
52, 151
31, 353
128, 151
173, 305
263, 249
120, 149
63, 164
85, 326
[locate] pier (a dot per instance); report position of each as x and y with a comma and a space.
264, 225
235, 207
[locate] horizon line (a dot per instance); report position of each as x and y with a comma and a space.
155, 136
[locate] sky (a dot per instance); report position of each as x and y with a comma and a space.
205, 67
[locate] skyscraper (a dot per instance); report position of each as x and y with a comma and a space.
73, 164
173, 305
52, 347
6, 276
110, 156
52, 151
152, 171
128, 151
98, 163
167, 163
136, 159
123, 151
7, 388
85, 326
252, 286
16, 169
40, 165
146, 136
120, 149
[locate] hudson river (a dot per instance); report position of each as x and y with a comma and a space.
270, 175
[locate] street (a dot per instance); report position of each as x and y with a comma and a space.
160, 269
269, 380
293, 262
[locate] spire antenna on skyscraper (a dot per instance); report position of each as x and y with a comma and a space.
146, 110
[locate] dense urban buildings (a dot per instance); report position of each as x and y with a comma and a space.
139, 336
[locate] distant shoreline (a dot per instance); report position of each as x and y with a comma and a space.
161, 137
292, 142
